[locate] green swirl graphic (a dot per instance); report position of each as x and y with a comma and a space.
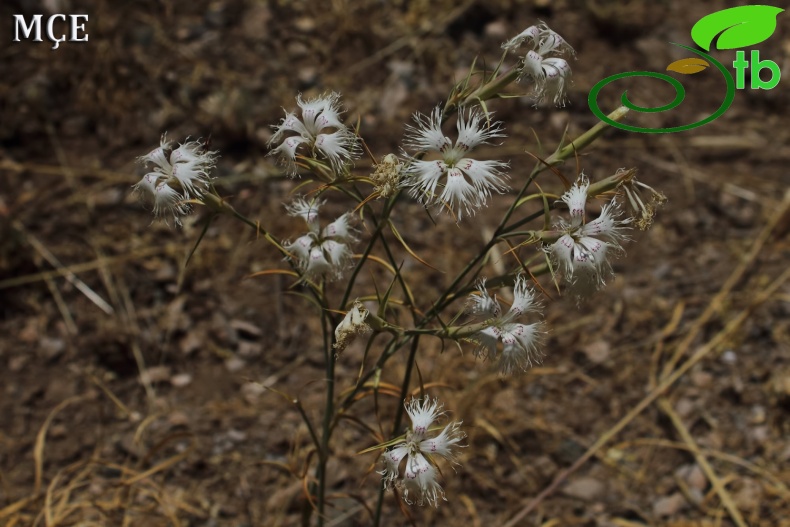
680, 94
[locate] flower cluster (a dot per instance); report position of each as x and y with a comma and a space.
320, 252
582, 249
176, 176
550, 73
520, 342
460, 182
319, 115
419, 452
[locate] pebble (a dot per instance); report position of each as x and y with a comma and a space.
180, 380
669, 505
585, 488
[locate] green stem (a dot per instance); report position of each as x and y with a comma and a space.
399, 415
323, 452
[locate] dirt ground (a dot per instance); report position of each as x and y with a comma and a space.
156, 411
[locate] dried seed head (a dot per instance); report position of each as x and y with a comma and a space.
352, 325
386, 177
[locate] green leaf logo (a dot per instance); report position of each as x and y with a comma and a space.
737, 27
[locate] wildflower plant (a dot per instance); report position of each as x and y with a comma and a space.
442, 168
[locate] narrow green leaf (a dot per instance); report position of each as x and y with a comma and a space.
200, 238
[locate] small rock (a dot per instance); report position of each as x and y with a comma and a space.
192, 342
760, 434
749, 496
156, 374
15, 364
496, 29
729, 357
598, 351
180, 380
235, 364
252, 391
30, 333
585, 488
249, 349
178, 419
51, 348
701, 379
669, 505
307, 75
246, 328
237, 436
685, 407
696, 478
58, 431
757, 415
305, 24
780, 382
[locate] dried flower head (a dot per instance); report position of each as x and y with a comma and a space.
416, 454
320, 252
353, 324
386, 177
543, 63
640, 208
582, 250
520, 342
460, 182
319, 132
177, 175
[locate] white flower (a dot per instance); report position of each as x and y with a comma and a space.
177, 175
320, 252
419, 482
463, 183
520, 342
307, 210
550, 73
582, 251
319, 116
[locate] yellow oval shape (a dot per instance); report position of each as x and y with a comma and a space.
688, 66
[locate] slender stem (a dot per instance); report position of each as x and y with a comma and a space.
323, 453
376, 234
399, 414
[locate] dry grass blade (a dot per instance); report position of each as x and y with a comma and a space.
38, 449
159, 467
63, 508
88, 266
735, 277
659, 390
718, 486
778, 486
71, 277
10, 510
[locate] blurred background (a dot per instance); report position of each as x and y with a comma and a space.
134, 391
